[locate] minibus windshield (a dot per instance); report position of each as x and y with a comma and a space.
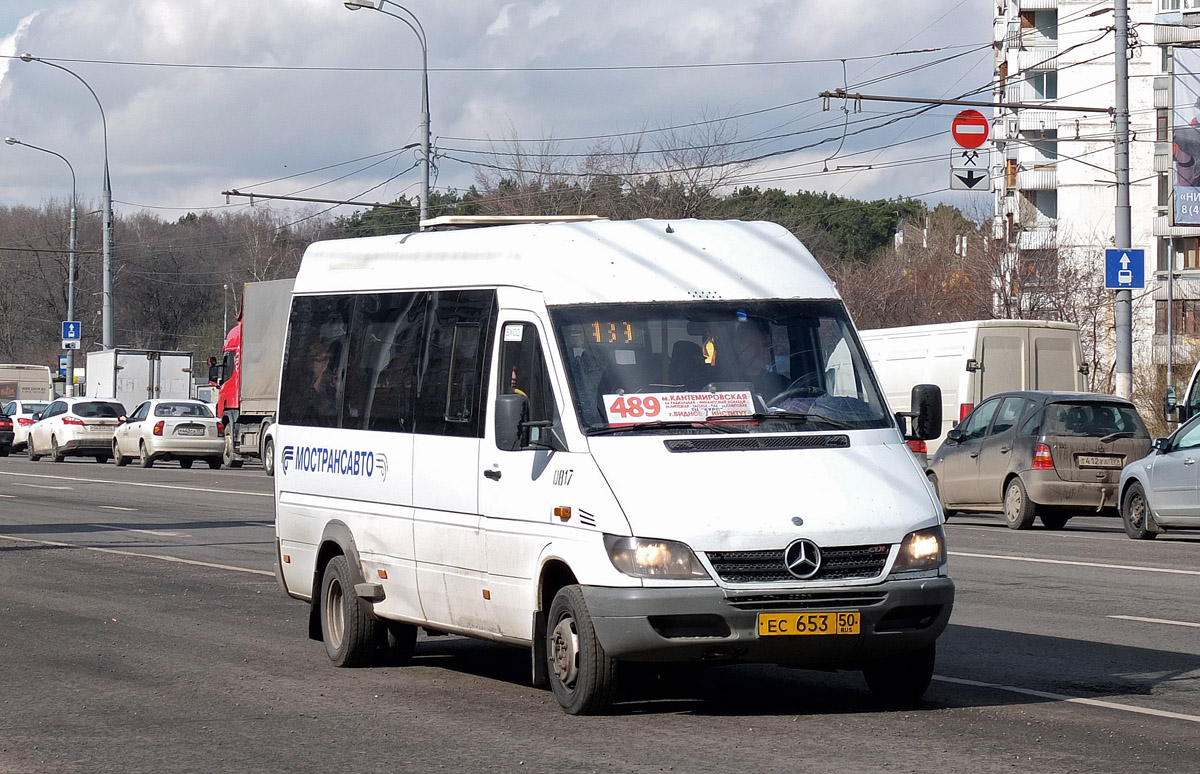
712, 366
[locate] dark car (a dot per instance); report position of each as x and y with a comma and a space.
6, 435
1033, 454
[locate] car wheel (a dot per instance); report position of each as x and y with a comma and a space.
33, 455
4, 450
268, 456
352, 638
228, 457
1135, 514
185, 463
214, 463
903, 679
118, 457
55, 453
102, 459
1019, 510
582, 675
1054, 519
145, 459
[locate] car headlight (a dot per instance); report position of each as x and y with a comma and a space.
922, 550
643, 558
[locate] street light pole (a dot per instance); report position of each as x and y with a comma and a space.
419, 31
70, 259
107, 330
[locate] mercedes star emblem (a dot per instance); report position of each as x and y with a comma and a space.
802, 558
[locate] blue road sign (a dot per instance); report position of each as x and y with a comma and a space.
1124, 269
71, 330
62, 365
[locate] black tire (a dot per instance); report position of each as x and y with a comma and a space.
185, 463
120, 459
1019, 510
582, 675
899, 681
55, 453
145, 459
401, 642
102, 459
33, 455
1055, 520
4, 450
352, 637
227, 456
214, 463
268, 456
1135, 514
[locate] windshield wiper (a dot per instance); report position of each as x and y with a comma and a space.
799, 416
1114, 436
641, 426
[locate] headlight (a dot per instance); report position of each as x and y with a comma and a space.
644, 558
922, 550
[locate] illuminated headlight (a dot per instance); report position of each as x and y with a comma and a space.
644, 558
922, 550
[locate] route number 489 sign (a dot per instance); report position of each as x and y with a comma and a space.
633, 409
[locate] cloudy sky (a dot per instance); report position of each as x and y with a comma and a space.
305, 98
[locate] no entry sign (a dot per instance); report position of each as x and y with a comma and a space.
970, 129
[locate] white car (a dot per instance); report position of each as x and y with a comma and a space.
21, 413
183, 430
75, 427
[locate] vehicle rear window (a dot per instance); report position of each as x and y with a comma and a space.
112, 410
181, 410
33, 408
1093, 420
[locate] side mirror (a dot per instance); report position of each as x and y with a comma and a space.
37, 417
954, 435
122, 420
512, 411
927, 412
1160, 444
214, 374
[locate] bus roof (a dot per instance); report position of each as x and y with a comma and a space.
575, 263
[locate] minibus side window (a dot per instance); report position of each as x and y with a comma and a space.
450, 376
523, 372
381, 376
314, 365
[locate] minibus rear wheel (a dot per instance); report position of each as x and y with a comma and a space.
582, 675
900, 680
351, 636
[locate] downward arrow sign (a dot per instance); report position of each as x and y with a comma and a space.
972, 178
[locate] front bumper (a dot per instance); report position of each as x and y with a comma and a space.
714, 624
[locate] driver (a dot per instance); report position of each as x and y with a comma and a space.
754, 359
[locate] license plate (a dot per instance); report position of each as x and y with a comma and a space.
190, 431
770, 624
1097, 461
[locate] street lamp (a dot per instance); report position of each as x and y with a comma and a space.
419, 31
106, 338
225, 314
70, 259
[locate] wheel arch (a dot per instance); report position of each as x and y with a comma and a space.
555, 574
336, 540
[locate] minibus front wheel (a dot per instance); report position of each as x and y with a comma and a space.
582, 675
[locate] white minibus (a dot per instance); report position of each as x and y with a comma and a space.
606, 442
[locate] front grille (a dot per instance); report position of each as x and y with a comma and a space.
837, 563
746, 443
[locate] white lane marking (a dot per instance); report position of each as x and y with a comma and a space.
176, 559
1118, 534
1098, 565
1072, 699
115, 508
151, 532
136, 483
1155, 620
42, 486
8, 497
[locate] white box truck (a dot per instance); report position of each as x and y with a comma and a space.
973, 360
131, 376
20, 381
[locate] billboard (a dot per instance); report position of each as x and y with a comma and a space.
1185, 133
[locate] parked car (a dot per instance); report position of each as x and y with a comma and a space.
183, 430
76, 427
1030, 454
21, 412
6, 435
1162, 490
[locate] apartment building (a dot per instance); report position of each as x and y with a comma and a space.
1053, 170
